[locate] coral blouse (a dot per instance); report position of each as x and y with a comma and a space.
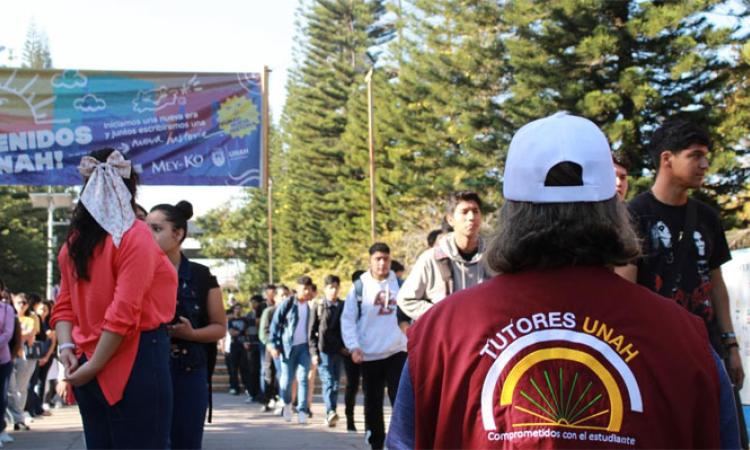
132, 288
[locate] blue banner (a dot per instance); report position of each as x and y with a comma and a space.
177, 128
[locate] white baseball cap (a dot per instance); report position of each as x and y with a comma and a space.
540, 145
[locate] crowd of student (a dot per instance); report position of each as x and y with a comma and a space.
276, 348
136, 323
562, 231
29, 371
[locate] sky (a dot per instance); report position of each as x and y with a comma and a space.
161, 35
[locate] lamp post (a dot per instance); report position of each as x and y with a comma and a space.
51, 201
371, 142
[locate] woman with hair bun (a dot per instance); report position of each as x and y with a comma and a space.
117, 292
200, 321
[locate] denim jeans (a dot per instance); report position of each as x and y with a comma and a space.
330, 372
189, 408
298, 363
262, 375
143, 418
18, 387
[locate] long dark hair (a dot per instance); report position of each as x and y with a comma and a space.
178, 215
85, 233
552, 235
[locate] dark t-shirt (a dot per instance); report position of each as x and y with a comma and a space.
240, 324
661, 226
252, 327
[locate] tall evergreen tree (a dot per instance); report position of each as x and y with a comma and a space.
36, 54
627, 65
449, 127
735, 129
338, 39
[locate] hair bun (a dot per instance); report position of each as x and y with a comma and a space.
186, 208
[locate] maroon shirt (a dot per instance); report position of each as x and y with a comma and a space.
566, 358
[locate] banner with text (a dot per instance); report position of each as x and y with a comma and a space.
177, 128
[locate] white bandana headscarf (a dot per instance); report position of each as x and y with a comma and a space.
106, 196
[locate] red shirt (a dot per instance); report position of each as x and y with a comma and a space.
133, 288
566, 358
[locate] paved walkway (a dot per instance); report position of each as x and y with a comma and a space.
236, 425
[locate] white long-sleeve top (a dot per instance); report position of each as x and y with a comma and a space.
376, 331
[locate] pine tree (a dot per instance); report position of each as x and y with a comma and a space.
735, 128
338, 41
36, 54
626, 65
450, 127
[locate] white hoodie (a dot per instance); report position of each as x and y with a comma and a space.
376, 332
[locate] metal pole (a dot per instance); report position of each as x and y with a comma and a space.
371, 133
267, 183
50, 237
265, 125
270, 232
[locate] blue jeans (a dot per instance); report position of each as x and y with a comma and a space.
143, 418
190, 404
330, 372
18, 387
298, 362
262, 351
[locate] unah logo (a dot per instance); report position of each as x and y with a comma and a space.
218, 158
561, 384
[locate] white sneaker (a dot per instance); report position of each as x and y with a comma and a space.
286, 412
5, 437
302, 417
332, 418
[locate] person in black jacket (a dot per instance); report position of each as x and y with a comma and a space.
199, 322
326, 344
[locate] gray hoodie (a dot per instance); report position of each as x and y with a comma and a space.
425, 286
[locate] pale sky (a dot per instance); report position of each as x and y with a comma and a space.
161, 35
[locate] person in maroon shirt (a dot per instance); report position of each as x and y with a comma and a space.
117, 292
558, 351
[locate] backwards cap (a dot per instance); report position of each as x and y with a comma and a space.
542, 144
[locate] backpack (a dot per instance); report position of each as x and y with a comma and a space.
443, 261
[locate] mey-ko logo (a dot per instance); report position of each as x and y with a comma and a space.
176, 165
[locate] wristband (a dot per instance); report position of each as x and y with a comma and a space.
62, 347
733, 344
729, 335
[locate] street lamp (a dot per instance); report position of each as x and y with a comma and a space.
51, 201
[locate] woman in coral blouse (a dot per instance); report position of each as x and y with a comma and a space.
117, 292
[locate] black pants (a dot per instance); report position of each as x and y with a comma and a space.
37, 388
353, 374
270, 378
377, 375
253, 370
238, 356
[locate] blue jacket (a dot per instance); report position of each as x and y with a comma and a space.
283, 324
